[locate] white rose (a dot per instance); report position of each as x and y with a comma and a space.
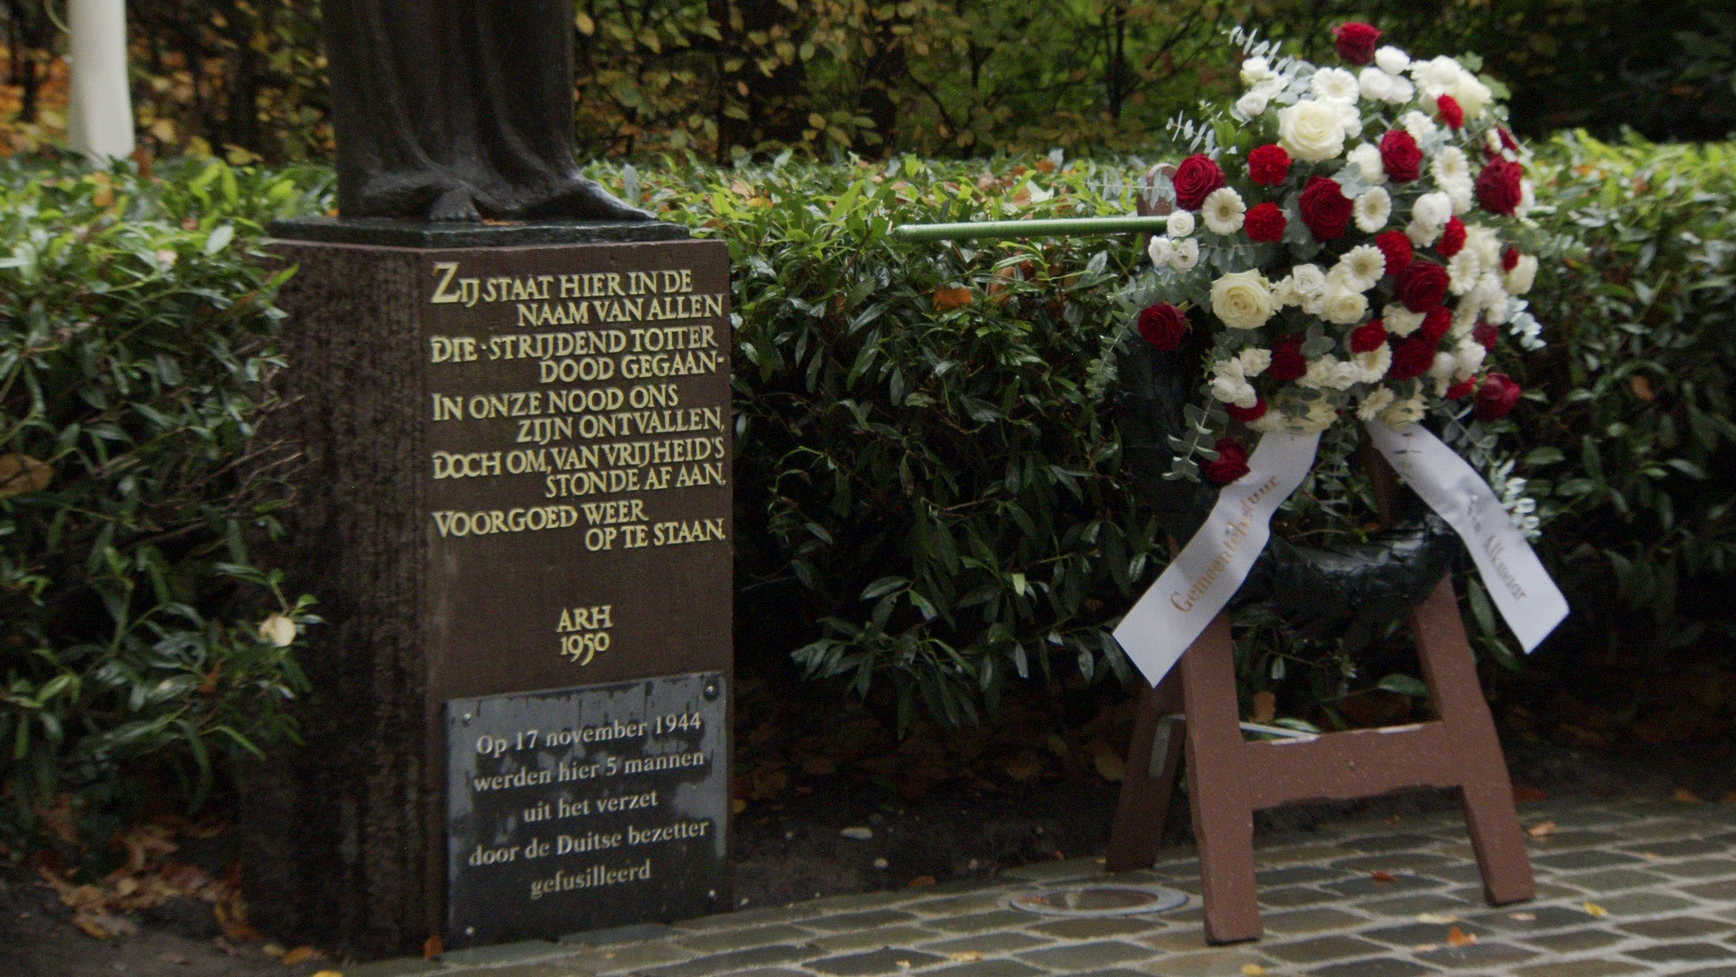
1311, 130
1242, 300
1187, 254
1472, 95
1375, 84
1366, 159
1345, 306
1160, 251
1349, 119
1229, 386
1437, 76
1255, 70
1181, 223
1308, 279
278, 630
1251, 104
1523, 275
1459, 192
1391, 60
1284, 292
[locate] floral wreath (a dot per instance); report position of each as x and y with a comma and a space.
1351, 240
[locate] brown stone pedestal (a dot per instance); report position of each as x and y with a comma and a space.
516, 498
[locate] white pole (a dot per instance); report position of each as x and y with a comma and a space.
100, 109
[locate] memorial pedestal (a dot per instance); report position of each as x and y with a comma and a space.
515, 512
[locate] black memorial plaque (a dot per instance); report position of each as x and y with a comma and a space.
578, 809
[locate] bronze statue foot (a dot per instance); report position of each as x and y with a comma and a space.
585, 199
456, 204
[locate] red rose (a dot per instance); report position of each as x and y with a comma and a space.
1401, 156
1246, 414
1412, 356
1486, 334
1265, 222
1367, 339
1436, 323
1195, 178
1356, 41
1288, 363
1498, 187
1507, 139
1268, 165
1162, 325
1421, 286
1496, 397
1464, 388
1452, 238
1232, 462
1510, 259
1452, 113
1325, 208
1397, 249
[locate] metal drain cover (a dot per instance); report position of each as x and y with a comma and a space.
1099, 900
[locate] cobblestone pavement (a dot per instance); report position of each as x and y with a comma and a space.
1623, 888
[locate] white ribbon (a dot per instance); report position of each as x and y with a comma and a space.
1211, 567
1529, 601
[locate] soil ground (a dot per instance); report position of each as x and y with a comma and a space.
830, 801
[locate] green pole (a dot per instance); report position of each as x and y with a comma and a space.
1029, 228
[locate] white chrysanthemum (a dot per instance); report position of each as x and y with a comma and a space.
1400, 321
1336, 84
1463, 270
1372, 365
1180, 223
1344, 306
1433, 209
1186, 256
1420, 126
1366, 159
1229, 386
1254, 361
1374, 403
1222, 211
1311, 130
1523, 275
1404, 413
1361, 267
1485, 243
1372, 210
1251, 104
1321, 415
1308, 279
1470, 361
1450, 163
1160, 250
1444, 365
1242, 300
1391, 60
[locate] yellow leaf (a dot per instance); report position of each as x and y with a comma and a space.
21, 474
1540, 830
587, 27
301, 954
328, 973
947, 299
1595, 909
1458, 937
1252, 970
965, 956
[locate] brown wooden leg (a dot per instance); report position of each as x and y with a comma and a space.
1223, 816
1153, 754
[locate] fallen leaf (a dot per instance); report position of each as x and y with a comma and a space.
1438, 919
434, 947
1265, 707
1541, 830
1252, 970
1379, 876
1458, 937
1596, 910
966, 956
328, 973
1685, 796
302, 954
22, 474
947, 299
1425, 948
1642, 388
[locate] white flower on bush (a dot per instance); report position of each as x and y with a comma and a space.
1180, 223
1523, 275
1160, 250
1373, 208
1366, 159
1242, 300
1372, 365
1311, 130
1230, 384
1222, 211
1361, 267
1404, 413
1335, 84
278, 630
1186, 256
1391, 60
1256, 70
1400, 321
1380, 399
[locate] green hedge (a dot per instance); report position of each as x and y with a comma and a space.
136, 360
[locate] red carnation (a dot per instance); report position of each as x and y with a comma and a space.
1288, 363
1265, 223
1412, 356
1498, 188
1397, 249
1195, 178
1486, 334
1452, 238
1367, 339
1507, 139
1232, 462
1510, 259
1325, 208
1268, 165
1246, 414
1496, 397
1163, 325
1436, 323
1464, 388
1356, 41
1421, 286
1452, 113
1401, 156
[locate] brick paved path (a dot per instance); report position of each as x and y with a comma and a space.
1623, 888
